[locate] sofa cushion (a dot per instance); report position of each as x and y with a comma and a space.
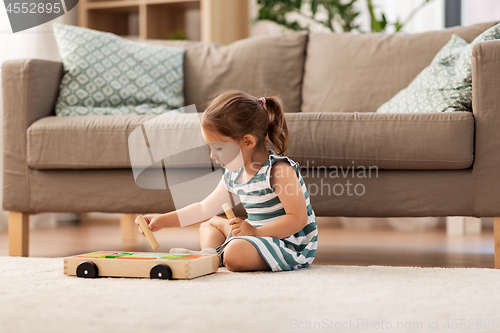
435, 88
107, 74
260, 66
91, 142
348, 73
446, 84
386, 141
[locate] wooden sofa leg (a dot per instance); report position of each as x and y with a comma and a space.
128, 227
496, 240
19, 234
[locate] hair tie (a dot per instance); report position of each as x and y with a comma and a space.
263, 100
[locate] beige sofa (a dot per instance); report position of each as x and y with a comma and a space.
435, 164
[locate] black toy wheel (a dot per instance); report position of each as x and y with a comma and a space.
87, 269
161, 271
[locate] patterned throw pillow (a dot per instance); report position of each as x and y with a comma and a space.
105, 74
446, 84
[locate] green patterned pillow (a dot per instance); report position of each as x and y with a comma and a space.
446, 84
105, 74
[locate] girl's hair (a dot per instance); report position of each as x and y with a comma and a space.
235, 113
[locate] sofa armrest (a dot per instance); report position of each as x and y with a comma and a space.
486, 110
29, 92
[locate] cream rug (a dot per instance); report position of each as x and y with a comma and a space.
35, 296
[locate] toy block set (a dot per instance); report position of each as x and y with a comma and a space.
163, 266
140, 265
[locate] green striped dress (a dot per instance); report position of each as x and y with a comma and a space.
263, 206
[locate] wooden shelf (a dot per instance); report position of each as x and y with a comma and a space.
221, 21
112, 4
186, 4
180, 3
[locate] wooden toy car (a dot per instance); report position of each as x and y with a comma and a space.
140, 265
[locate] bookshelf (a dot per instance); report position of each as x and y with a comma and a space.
220, 21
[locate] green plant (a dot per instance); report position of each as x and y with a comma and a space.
340, 13
177, 35
376, 24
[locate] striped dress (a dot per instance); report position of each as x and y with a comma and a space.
263, 206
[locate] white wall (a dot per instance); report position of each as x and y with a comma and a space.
429, 18
476, 11
37, 42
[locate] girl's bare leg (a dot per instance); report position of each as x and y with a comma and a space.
213, 233
240, 256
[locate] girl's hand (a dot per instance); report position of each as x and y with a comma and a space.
242, 228
154, 222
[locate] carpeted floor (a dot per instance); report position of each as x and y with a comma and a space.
35, 296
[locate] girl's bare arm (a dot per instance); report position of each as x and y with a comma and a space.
287, 186
192, 214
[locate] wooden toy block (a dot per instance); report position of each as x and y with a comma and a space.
145, 254
174, 256
136, 258
149, 234
116, 255
94, 255
229, 212
141, 265
191, 257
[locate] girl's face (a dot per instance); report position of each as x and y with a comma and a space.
224, 150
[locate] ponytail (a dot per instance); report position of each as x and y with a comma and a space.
278, 129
